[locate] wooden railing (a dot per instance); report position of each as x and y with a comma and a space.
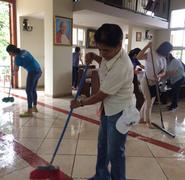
155, 8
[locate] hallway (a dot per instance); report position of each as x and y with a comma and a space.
29, 142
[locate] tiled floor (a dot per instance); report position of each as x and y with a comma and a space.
150, 153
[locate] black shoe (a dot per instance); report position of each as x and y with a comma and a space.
171, 108
91, 178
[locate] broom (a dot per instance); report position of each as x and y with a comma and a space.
50, 171
159, 101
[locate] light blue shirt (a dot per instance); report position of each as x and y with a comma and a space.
27, 61
175, 65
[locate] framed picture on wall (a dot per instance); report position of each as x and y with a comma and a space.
138, 36
62, 31
90, 43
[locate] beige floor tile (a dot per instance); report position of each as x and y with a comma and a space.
31, 143
143, 168
60, 122
68, 146
173, 167
71, 132
11, 165
145, 161
38, 123
19, 174
162, 152
89, 162
32, 132
137, 148
87, 147
88, 131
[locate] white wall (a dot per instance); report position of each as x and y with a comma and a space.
143, 42
161, 36
62, 63
39, 8
33, 41
58, 66
177, 4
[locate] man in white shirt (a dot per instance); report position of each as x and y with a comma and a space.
116, 94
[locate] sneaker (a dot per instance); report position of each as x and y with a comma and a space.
34, 109
171, 108
26, 114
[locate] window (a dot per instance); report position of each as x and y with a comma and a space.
79, 40
177, 37
78, 37
177, 18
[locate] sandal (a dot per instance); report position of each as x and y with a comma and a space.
142, 122
26, 114
150, 126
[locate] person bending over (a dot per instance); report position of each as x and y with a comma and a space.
24, 59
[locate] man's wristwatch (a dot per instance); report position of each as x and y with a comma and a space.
81, 102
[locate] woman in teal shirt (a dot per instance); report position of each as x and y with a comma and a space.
24, 59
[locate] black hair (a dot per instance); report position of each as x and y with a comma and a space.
164, 48
77, 49
13, 49
170, 57
109, 34
134, 52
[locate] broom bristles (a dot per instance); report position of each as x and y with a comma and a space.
54, 174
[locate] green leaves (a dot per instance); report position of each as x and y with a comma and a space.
4, 30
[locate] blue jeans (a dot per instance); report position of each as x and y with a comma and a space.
75, 77
31, 85
111, 148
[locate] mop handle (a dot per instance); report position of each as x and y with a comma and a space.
70, 112
157, 89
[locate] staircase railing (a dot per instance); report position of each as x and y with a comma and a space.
155, 8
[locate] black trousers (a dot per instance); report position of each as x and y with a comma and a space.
175, 91
75, 77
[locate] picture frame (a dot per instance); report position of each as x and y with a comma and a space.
90, 43
62, 31
138, 36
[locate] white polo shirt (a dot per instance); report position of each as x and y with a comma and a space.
159, 64
116, 76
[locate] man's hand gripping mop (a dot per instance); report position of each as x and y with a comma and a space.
50, 171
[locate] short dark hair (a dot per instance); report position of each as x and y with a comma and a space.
170, 57
12, 48
109, 34
134, 52
77, 49
164, 48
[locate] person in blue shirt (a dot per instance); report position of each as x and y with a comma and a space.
75, 63
24, 59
